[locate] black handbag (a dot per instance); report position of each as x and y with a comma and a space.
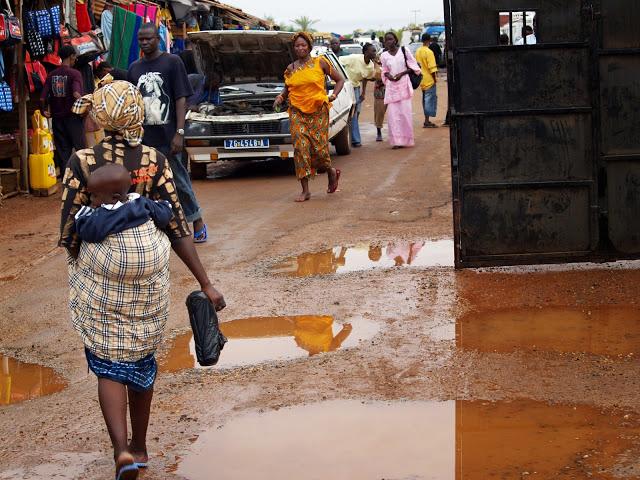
416, 78
207, 336
34, 41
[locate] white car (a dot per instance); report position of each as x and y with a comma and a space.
245, 126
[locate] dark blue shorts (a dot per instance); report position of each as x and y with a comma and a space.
430, 102
139, 376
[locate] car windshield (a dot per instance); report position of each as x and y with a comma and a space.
351, 49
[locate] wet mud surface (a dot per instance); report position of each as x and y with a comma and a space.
525, 373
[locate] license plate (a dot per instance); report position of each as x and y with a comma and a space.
243, 143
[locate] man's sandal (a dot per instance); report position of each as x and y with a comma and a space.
201, 236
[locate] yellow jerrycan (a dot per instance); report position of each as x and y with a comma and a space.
42, 170
42, 139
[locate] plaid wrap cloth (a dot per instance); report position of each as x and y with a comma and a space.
116, 107
119, 293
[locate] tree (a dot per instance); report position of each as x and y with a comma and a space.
304, 23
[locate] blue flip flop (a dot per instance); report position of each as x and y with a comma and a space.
128, 472
201, 236
141, 464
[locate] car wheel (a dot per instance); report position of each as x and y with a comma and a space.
342, 141
198, 170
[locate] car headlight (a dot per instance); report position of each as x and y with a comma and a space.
197, 129
285, 126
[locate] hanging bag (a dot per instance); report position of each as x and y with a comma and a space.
36, 73
6, 97
11, 29
35, 43
416, 79
208, 338
88, 46
46, 19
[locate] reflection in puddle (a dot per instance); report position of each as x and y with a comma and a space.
331, 440
262, 339
602, 330
428, 440
365, 257
24, 381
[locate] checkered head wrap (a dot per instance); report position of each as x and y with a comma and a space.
116, 107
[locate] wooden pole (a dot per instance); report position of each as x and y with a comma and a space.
22, 106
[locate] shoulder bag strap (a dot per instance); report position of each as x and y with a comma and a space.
404, 53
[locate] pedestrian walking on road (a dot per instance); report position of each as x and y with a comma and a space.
305, 91
396, 64
360, 67
119, 286
163, 82
334, 45
434, 46
63, 87
427, 61
379, 108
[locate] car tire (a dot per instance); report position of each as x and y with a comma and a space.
342, 141
198, 170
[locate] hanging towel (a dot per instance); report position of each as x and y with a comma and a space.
134, 52
122, 37
162, 33
106, 24
82, 17
70, 14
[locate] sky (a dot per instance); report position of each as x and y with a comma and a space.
345, 16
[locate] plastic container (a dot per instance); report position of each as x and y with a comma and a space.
42, 171
41, 140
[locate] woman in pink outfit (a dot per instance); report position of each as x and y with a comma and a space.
396, 64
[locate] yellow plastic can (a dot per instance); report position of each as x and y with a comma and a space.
42, 171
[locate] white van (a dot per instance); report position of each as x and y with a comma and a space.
245, 127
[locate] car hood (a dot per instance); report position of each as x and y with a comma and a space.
243, 56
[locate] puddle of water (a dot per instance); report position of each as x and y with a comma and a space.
603, 330
23, 381
330, 440
263, 339
415, 440
365, 257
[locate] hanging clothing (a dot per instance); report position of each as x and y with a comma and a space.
122, 37
162, 32
82, 16
398, 97
134, 52
70, 14
106, 25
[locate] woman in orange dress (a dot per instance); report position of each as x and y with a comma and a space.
305, 90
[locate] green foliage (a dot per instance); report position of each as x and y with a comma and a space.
304, 23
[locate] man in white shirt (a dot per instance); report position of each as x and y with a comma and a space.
528, 35
360, 67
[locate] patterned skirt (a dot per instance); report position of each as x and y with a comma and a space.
139, 376
119, 293
310, 135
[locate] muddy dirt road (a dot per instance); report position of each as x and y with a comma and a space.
355, 350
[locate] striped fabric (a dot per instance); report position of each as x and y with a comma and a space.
119, 293
139, 376
117, 107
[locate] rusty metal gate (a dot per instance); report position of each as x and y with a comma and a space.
545, 136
